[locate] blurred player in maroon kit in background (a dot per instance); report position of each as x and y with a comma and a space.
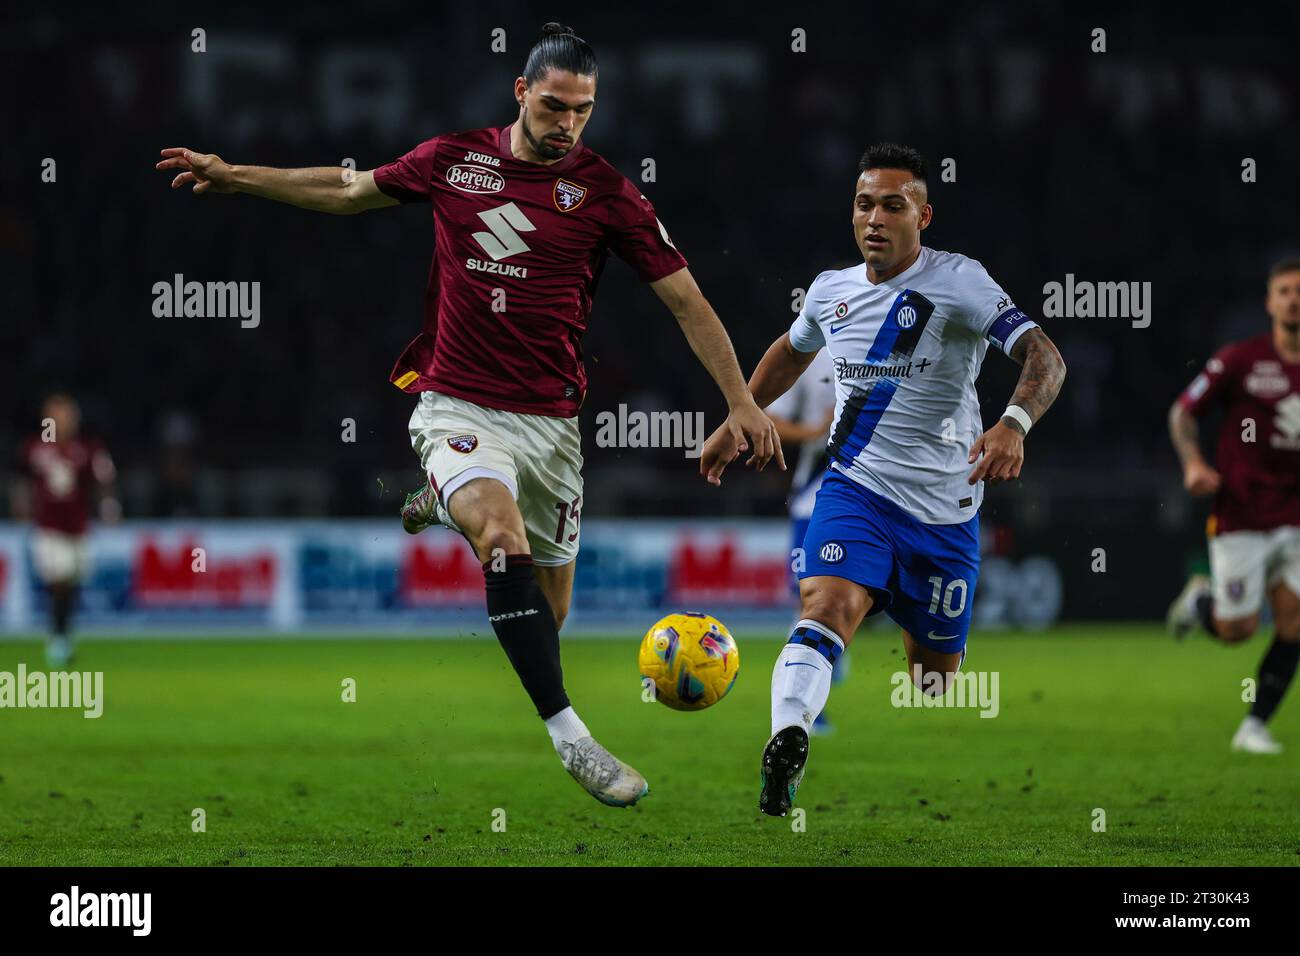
1254, 530
61, 473
524, 218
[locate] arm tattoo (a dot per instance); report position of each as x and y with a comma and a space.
1184, 433
1041, 377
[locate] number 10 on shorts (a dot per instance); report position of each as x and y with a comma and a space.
953, 601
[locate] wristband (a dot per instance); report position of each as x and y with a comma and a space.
1020, 416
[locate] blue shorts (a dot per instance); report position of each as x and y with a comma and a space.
922, 575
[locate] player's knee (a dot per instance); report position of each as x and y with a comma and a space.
1236, 630
500, 539
836, 612
932, 683
1286, 617
830, 617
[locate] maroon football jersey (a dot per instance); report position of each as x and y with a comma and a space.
1261, 478
63, 476
518, 251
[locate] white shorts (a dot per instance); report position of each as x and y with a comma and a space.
538, 457
1244, 564
58, 557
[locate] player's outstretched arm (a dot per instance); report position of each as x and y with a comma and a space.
1198, 477
1041, 377
711, 344
332, 189
779, 369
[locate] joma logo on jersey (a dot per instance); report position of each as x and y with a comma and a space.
474, 179
568, 196
472, 157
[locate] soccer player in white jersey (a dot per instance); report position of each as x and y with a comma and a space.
803, 418
896, 526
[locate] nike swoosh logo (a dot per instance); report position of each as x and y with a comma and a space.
799, 664
840, 329
941, 637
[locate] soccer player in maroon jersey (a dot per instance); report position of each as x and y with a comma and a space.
525, 216
60, 474
1254, 530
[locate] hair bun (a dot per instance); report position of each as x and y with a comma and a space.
559, 28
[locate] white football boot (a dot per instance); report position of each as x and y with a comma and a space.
601, 774
1253, 738
58, 652
420, 510
1181, 618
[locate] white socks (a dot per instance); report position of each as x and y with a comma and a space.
566, 727
801, 679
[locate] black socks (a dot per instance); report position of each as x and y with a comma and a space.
1275, 673
1205, 613
61, 599
525, 626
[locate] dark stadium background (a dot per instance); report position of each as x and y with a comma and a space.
1122, 166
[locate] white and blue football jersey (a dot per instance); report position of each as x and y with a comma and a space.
906, 353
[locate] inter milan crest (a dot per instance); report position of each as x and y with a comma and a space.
832, 552
568, 196
463, 443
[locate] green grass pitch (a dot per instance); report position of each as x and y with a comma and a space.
441, 742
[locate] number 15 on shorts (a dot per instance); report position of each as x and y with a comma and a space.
570, 510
